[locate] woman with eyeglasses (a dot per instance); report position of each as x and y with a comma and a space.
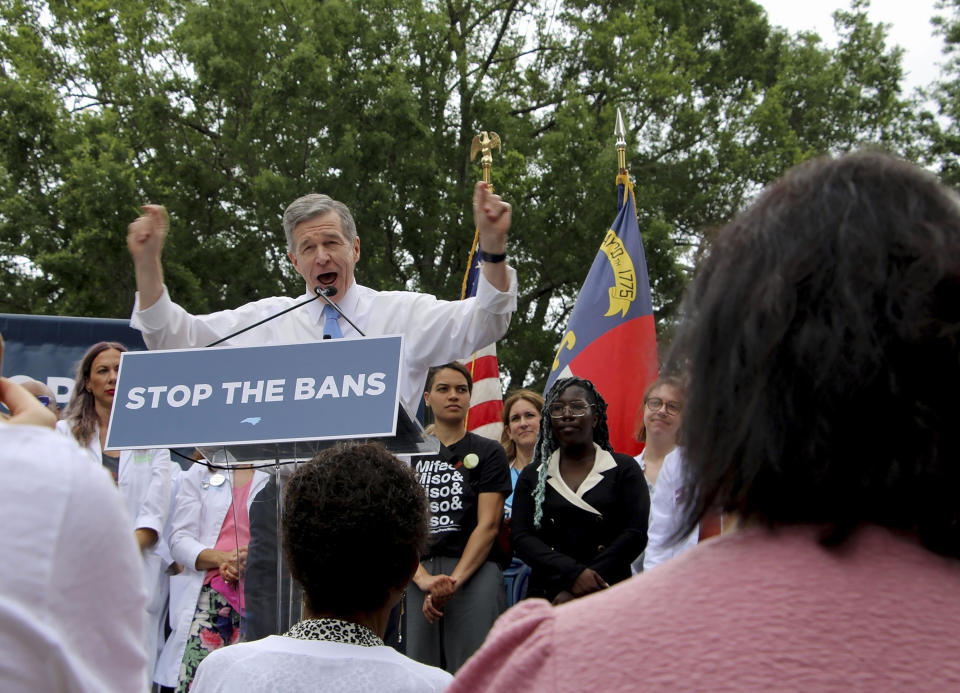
579, 509
660, 417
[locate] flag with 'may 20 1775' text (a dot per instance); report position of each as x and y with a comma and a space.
611, 338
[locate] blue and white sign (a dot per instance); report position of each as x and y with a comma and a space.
338, 388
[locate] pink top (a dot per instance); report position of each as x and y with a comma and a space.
750, 611
235, 531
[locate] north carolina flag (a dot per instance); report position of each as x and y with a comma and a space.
486, 402
611, 339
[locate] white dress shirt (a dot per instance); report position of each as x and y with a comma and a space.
72, 600
435, 332
666, 510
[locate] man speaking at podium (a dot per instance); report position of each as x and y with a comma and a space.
323, 245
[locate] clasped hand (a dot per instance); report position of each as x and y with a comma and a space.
233, 568
439, 589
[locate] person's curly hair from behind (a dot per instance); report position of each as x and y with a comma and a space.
355, 524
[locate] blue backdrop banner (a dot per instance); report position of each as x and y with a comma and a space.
49, 347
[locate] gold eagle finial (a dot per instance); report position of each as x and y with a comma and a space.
485, 142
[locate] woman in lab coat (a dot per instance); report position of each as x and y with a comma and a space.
142, 476
209, 534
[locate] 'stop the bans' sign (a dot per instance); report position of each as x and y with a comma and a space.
341, 388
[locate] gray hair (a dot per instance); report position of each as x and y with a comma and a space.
312, 206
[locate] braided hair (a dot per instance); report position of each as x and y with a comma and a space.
547, 442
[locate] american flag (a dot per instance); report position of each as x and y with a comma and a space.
486, 402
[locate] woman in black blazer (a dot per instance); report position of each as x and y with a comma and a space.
580, 509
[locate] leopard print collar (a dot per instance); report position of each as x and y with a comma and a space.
334, 630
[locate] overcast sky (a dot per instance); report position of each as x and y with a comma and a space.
909, 28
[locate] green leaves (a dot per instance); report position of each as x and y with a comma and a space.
227, 110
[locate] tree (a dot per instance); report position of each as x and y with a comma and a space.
941, 131
718, 104
226, 110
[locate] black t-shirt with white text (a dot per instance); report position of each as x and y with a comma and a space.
452, 489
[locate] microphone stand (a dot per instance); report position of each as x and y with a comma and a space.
325, 294
275, 315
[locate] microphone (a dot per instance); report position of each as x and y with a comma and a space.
325, 292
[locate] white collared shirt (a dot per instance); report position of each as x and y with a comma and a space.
435, 331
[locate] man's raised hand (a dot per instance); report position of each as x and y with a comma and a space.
145, 236
492, 217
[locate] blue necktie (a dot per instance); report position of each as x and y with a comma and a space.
331, 328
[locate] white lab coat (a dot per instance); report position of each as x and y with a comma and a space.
143, 479
197, 519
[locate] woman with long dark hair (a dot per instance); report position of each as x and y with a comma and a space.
580, 509
142, 476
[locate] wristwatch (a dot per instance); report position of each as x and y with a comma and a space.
491, 258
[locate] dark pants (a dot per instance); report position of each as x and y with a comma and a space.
467, 617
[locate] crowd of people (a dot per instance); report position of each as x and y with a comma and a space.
792, 523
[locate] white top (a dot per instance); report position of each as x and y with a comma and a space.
666, 510
435, 331
143, 479
71, 588
279, 663
636, 567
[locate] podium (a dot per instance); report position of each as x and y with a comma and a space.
271, 409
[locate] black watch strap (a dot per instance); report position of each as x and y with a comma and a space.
490, 257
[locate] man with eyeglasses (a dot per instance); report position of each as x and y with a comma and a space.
42, 393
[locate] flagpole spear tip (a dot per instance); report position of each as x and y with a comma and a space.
621, 134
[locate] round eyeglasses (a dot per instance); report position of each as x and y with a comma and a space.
656, 404
577, 407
